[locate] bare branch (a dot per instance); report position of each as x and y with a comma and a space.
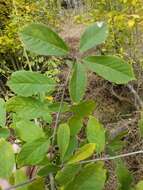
21, 184
113, 157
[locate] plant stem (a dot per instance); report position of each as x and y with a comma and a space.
59, 111
21, 184
113, 157
52, 181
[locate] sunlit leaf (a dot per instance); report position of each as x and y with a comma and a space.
7, 159
28, 83
33, 152
28, 131
41, 40
110, 68
96, 134
93, 36
2, 113
77, 85
82, 153
63, 139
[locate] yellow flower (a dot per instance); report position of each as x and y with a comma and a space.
131, 23
50, 98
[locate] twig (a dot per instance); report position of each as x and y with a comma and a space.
59, 111
137, 97
113, 157
21, 184
52, 181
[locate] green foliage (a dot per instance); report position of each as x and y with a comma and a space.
63, 138
82, 153
43, 41
59, 147
33, 152
139, 186
93, 36
111, 68
7, 159
90, 177
123, 175
2, 113
28, 131
78, 81
67, 174
27, 83
96, 134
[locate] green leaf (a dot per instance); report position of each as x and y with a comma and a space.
28, 131
67, 174
20, 177
77, 85
7, 159
83, 153
33, 152
75, 125
2, 113
73, 144
83, 109
111, 68
96, 134
55, 107
139, 186
27, 107
91, 177
46, 170
93, 36
4, 133
123, 175
38, 184
63, 139
28, 83
41, 40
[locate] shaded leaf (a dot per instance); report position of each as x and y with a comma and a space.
7, 159
63, 138
41, 40
82, 153
123, 175
38, 184
91, 177
33, 152
67, 174
75, 125
73, 144
55, 107
96, 134
2, 113
77, 85
28, 83
4, 133
83, 109
46, 170
111, 68
93, 36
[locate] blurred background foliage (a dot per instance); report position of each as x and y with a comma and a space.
125, 19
